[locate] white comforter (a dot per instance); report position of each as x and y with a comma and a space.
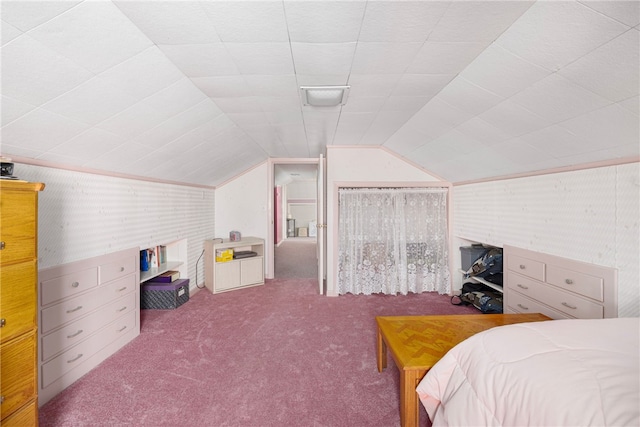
554, 373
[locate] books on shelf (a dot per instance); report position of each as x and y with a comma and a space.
167, 276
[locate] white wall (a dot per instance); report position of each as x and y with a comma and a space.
360, 165
589, 215
83, 215
242, 205
301, 201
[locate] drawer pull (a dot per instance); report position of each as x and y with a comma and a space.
75, 284
123, 328
523, 307
122, 309
572, 307
75, 358
568, 281
3, 322
522, 266
2, 246
523, 286
74, 309
76, 334
2, 399
124, 288
121, 269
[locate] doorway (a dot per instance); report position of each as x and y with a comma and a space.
295, 218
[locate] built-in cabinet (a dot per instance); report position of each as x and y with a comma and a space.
88, 309
234, 273
176, 261
463, 277
18, 302
558, 287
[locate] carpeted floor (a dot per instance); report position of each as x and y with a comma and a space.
273, 355
296, 258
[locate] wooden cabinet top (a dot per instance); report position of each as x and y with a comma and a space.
17, 185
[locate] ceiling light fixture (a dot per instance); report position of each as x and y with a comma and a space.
324, 96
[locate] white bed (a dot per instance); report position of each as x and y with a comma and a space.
555, 373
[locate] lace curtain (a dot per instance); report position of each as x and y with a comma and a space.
393, 241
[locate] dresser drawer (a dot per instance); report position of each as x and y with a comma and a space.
75, 356
17, 373
60, 340
527, 267
18, 298
574, 281
524, 285
18, 225
519, 303
58, 288
27, 416
119, 268
75, 308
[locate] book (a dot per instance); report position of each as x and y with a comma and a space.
162, 254
167, 277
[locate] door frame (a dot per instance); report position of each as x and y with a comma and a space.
270, 257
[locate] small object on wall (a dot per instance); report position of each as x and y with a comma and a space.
234, 236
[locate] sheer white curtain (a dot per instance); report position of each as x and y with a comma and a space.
393, 241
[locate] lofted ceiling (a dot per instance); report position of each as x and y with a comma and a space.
200, 91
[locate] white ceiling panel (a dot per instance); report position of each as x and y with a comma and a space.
26, 15
34, 74
199, 60
401, 21
503, 73
170, 22
94, 34
571, 30
323, 58
200, 91
445, 58
324, 22
619, 60
247, 22
556, 99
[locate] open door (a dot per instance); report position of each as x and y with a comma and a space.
321, 226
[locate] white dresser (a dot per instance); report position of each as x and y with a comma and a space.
558, 287
88, 310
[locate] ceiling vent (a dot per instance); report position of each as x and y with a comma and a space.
324, 96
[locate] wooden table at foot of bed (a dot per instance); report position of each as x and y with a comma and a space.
418, 342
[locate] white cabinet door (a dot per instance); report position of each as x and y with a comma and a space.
251, 271
227, 275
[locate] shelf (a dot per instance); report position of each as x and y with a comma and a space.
154, 271
481, 280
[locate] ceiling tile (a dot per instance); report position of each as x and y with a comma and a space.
482, 131
284, 117
89, 144
120, 159
383, 57
170, 22
384, 126
466, 96
11, 109
41, 130
352, 127
324, 22
8, 32
627, 12
222, 86
135, 120
499, 71
35, 74
513, 119
554, 34
554, 140
93, 34
243, 120
261, 58
632, 104
427, 85
144, 74
280, 103
519, 152
459, 142
275, 85
437, 117
373, 84
607, 127
176, 98
248, 21
445, 58
406, 139
619, 60
321, 79
400, 21
246, 104
477, 21
556, 99
26, 15
364, 104
200, 60
410, 104
323, 58
91, 102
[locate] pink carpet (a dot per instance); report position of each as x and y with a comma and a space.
273, 355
